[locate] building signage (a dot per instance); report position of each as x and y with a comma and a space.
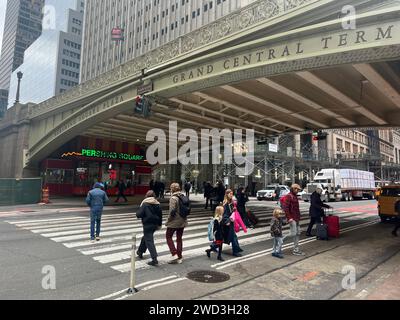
88, 153
345, 40
145, 88
273, 147
91, 112
117, 34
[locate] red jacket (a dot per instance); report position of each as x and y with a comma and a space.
290, 205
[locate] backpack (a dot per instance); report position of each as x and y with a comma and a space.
211, 230
283, 200
184, 206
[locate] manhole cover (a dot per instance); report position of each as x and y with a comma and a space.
208, 276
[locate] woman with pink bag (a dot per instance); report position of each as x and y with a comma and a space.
232, 222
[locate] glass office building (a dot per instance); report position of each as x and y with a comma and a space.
22, 27
52, 62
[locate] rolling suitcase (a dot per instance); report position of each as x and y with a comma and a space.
333, 225
322, 231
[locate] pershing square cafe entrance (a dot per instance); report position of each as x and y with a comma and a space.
79, 164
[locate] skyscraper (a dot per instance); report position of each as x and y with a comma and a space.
146, 24
51, 65
23, 25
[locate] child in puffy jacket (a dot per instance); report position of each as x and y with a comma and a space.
218, 236
276, 232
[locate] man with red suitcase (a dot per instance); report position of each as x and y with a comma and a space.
290, 205
316, 210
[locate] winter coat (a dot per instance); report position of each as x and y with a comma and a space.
242, 198
238, 223
317, 205
228, 227
208, 191
220, 193
96, 199
276, 227
290, 205
121, 187
217, 230
151, 214
175, 220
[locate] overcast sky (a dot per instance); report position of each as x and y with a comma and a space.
3, 5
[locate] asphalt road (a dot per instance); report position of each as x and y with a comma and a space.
58, 240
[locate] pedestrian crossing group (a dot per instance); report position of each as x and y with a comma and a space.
117, 230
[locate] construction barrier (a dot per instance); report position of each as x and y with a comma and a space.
20, 191
46, 195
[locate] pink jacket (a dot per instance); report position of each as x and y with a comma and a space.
238, 221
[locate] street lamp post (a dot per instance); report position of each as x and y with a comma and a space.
19, 76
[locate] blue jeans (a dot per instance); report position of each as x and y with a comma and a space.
235, 243
95, 219
295, 232
278, 242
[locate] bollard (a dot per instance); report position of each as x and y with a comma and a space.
132, 288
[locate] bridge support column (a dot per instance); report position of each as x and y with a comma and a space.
14, 143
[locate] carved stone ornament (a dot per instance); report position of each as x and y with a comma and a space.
241, 19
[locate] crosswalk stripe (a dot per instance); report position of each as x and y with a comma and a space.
114, 249
77, 225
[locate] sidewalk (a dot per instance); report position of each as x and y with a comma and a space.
79, 202
319, 275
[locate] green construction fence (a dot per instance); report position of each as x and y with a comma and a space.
20, 191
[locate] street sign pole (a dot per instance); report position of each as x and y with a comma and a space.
132, 288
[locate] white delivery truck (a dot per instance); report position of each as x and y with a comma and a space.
342, 184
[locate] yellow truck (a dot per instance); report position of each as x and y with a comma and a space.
389, 195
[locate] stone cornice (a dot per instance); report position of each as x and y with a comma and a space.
245, 18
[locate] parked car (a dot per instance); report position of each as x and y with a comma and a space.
269, 192
300, 194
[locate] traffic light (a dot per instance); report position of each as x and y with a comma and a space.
113, 174
139, 105
319, 135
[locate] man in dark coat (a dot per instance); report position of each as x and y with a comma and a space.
316, 209
207, 193
187, 187
121, 190
151, 214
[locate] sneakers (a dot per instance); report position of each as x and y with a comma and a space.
174, 260
237, 254
179, 261
153, 263
208, 252
220, 259
92, 241
97, 238
139, 254
298, 253
277, 255
240, 250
